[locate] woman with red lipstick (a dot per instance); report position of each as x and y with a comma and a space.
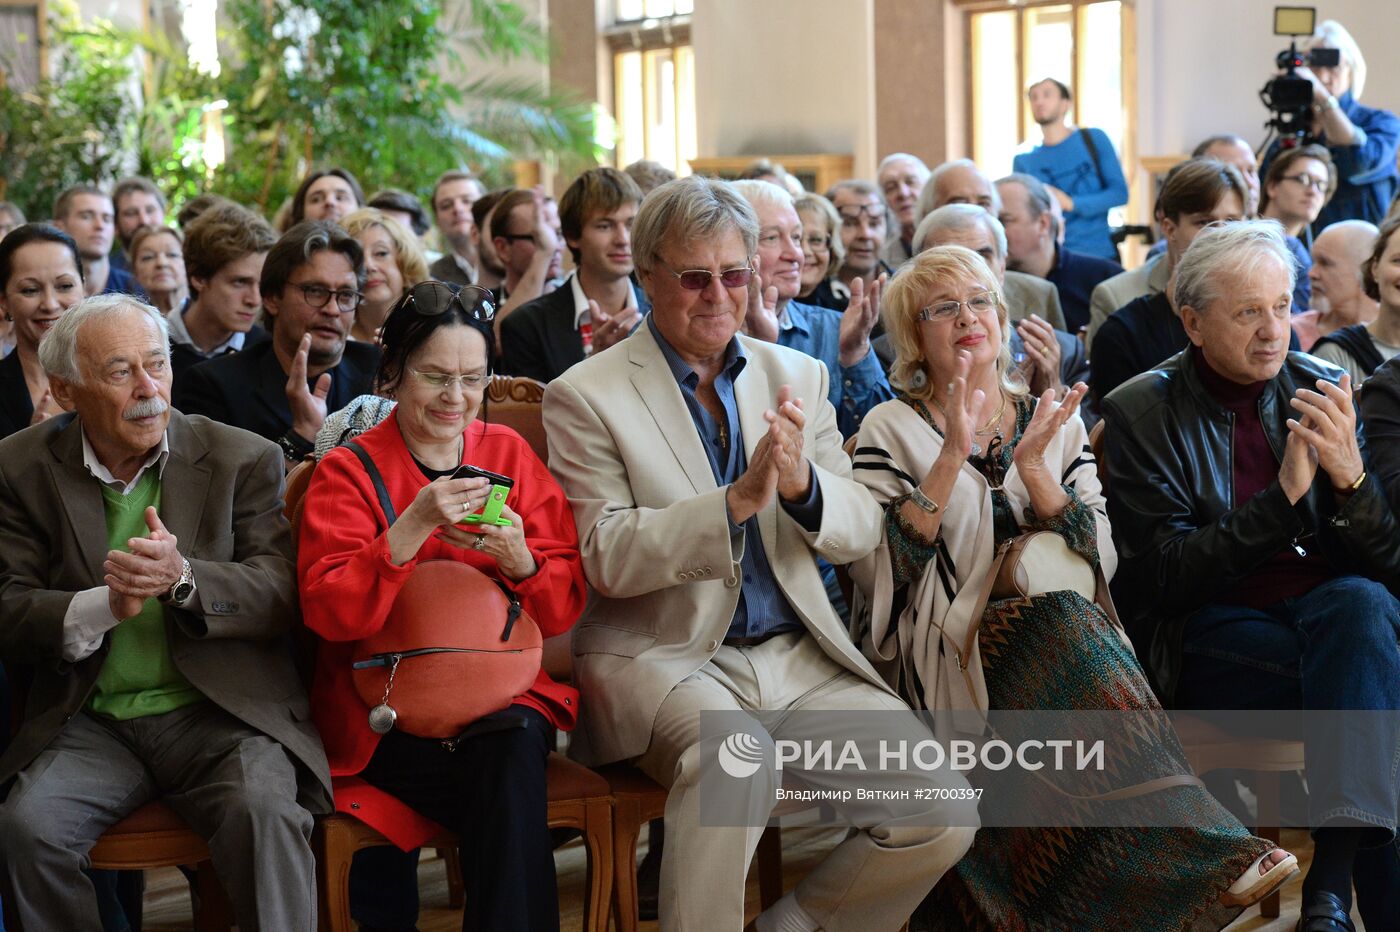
394, 263
962, 461
41, 276
491, 788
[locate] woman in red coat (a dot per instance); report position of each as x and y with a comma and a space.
491, 788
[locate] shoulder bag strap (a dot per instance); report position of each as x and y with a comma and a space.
377, 479
1088, 138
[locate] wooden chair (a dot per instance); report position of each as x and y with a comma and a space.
637, 800
154, 836
578, 798
516, 402
1210, 748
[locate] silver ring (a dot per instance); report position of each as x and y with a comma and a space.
480, 542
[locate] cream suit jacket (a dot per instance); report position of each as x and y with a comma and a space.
662, 568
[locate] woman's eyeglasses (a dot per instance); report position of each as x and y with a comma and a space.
978, 304
431, 299
441, 381
1307, 181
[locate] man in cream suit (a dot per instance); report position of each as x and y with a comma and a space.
706, 475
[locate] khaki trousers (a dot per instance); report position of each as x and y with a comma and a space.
875, 878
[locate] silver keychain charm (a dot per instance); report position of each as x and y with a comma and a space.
383, 716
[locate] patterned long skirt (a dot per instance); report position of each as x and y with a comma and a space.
1058, 651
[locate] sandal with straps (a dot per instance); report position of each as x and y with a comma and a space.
1252, 886
1325, 914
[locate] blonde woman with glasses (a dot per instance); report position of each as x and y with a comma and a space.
963, 461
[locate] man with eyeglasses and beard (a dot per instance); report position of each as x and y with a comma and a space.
282, 388
706, 475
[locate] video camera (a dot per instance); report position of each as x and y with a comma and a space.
1289, 97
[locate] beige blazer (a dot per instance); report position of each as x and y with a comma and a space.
662, 568
221, 496
1027, 295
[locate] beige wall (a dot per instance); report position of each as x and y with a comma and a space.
917, 108
1196, 81
776, 76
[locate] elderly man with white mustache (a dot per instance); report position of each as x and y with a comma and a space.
146, 578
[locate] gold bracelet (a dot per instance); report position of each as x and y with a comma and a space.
1351, 489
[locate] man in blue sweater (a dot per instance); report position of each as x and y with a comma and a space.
1080, 167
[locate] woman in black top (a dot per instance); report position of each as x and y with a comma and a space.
41, 276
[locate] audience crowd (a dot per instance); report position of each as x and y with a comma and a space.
790, 434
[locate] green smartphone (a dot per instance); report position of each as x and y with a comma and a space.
500, 488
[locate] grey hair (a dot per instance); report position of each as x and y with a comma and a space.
690, 208
960, 217
58, 353
1335, 34
816, 204
893, 157
931, 186
1231, 249
858, 186
764, 194
1038, 196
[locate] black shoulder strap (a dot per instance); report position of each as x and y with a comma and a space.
377, 479
1356, 340
1088, 138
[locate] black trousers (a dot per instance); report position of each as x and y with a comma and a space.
491, 792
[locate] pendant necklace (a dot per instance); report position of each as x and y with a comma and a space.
993, 425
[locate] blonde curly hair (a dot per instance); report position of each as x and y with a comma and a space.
907, 294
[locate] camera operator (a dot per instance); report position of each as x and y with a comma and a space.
1361, 140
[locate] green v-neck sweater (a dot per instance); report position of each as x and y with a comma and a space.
139, 677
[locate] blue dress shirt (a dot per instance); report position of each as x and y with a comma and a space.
762, 609
854, 390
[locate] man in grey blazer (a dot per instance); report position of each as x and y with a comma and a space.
146, 580
706, 475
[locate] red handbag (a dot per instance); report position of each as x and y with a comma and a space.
456, 646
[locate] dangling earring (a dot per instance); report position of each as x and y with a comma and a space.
919, 380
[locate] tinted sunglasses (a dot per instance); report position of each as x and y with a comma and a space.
431, 299
699, 279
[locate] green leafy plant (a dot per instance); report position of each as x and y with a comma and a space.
76, 125
373, 87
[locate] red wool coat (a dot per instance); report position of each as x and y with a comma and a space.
348, 584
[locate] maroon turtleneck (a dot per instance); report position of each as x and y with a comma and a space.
1255, 467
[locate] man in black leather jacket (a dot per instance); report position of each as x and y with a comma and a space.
1255, 550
